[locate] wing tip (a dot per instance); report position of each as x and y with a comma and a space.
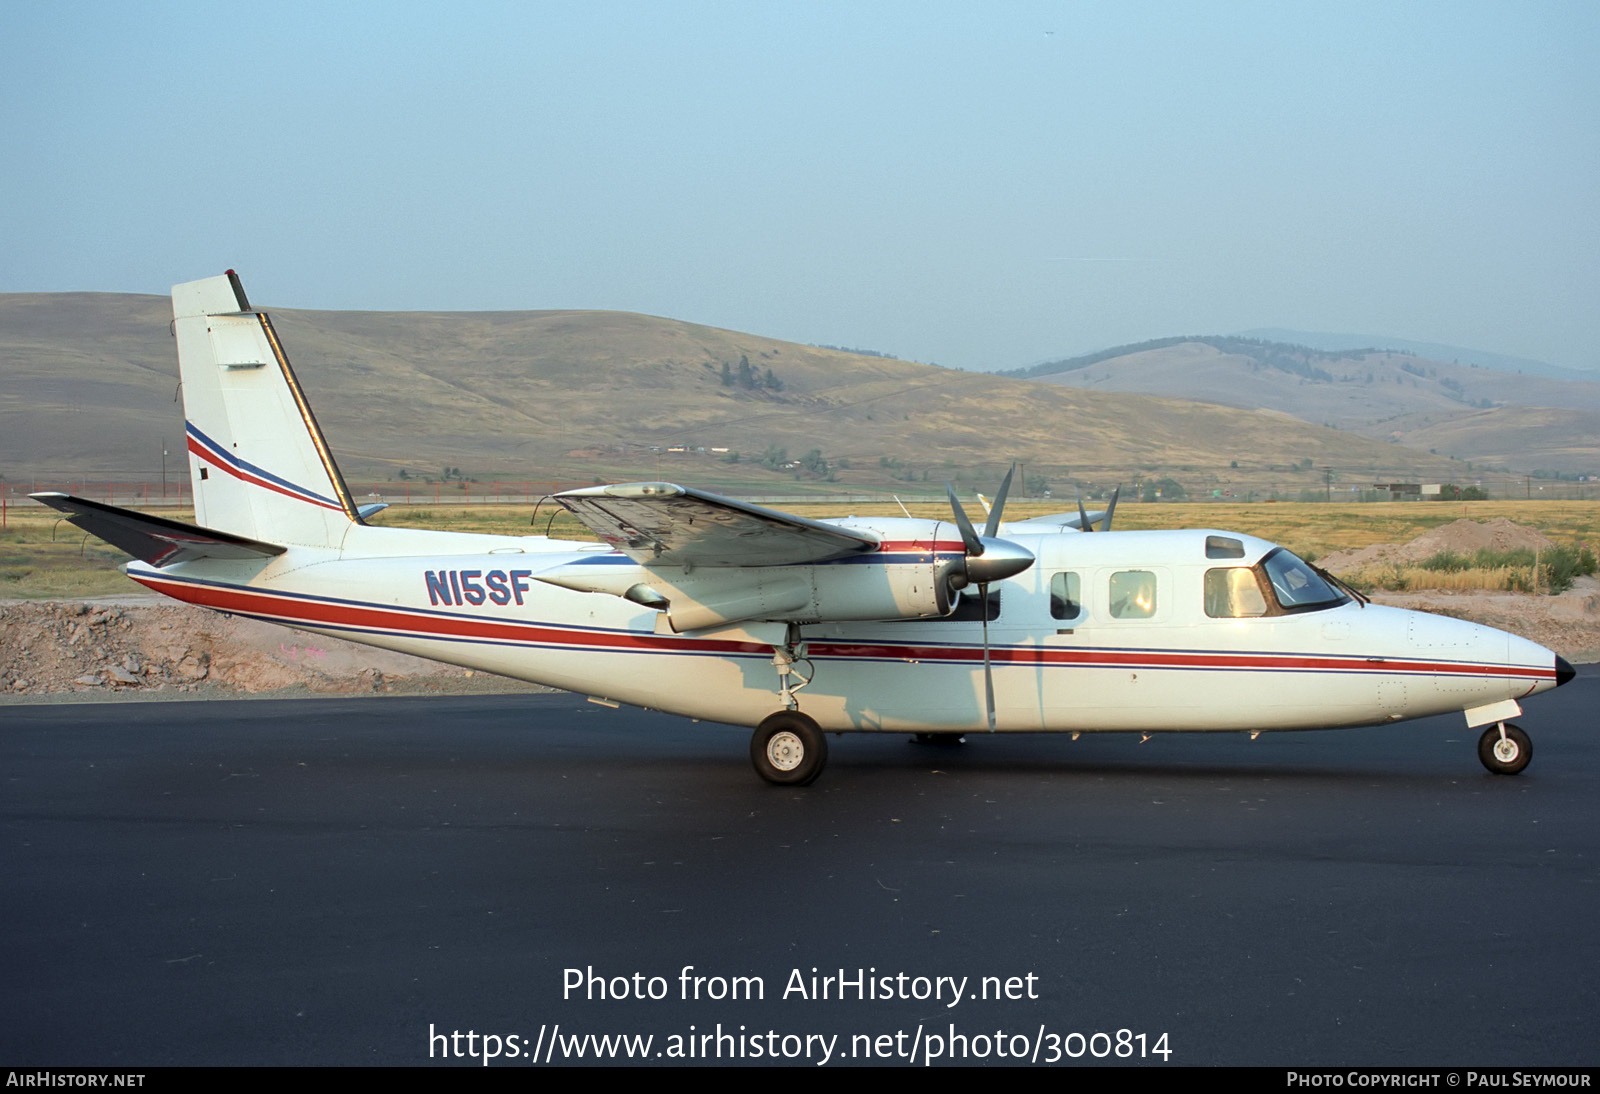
628, 490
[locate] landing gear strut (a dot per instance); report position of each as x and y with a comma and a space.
784, 658
1504, 749
788, 749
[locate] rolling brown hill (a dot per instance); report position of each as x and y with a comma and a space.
1522, 422
87, 386
1523, 438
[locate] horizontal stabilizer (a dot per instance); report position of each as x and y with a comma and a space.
155, 540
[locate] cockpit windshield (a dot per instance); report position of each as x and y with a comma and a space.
1296, 585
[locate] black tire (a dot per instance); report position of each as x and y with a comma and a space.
1507, 757
788, 749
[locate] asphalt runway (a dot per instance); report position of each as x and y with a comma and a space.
326, 882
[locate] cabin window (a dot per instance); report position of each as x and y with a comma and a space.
1224, 547
1233, 593
1066, 599
1133, 594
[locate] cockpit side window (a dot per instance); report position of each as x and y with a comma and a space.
1233, 592
1297, 587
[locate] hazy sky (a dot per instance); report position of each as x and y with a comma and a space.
978, 188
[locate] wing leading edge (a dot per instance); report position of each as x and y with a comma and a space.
663, 524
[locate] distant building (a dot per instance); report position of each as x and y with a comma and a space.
1404, 491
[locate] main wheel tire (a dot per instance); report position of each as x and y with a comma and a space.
788, 749
1505, 755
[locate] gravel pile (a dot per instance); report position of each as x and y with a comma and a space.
1462, 536
154, 646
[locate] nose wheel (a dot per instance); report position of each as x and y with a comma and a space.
1504, 749
788, 749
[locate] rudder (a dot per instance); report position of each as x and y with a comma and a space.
257, 458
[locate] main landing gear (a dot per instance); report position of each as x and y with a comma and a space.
1504, 749
788, 748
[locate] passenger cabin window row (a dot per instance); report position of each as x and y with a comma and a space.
1130, 593
1280, 584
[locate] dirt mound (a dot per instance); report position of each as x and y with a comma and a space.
1569, 624
1462, 536
156, 646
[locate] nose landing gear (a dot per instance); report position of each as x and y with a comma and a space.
1504, 749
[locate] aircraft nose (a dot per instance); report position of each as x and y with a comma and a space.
1564, 670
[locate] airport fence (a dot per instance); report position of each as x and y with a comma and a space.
177, 495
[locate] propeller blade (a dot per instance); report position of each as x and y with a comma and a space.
992, 529
969, 536
1083, 517
1105, 525
988, 674
987, 558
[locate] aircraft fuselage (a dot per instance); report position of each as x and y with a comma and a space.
1082, 665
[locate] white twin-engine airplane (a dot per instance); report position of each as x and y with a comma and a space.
710, 608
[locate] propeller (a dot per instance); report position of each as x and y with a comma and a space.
1105, 525
1105, 520
988, 558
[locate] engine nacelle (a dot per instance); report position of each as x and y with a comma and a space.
804, 594
917, 572
855, 589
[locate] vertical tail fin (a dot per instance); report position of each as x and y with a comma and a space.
257, 459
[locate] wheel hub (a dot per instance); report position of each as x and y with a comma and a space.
1505, 750
786, 751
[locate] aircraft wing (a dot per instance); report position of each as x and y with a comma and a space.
1054, 522
668, 525
152, 539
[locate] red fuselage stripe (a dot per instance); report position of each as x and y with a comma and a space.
406, 623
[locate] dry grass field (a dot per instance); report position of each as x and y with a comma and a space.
1313, 530
42, 556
